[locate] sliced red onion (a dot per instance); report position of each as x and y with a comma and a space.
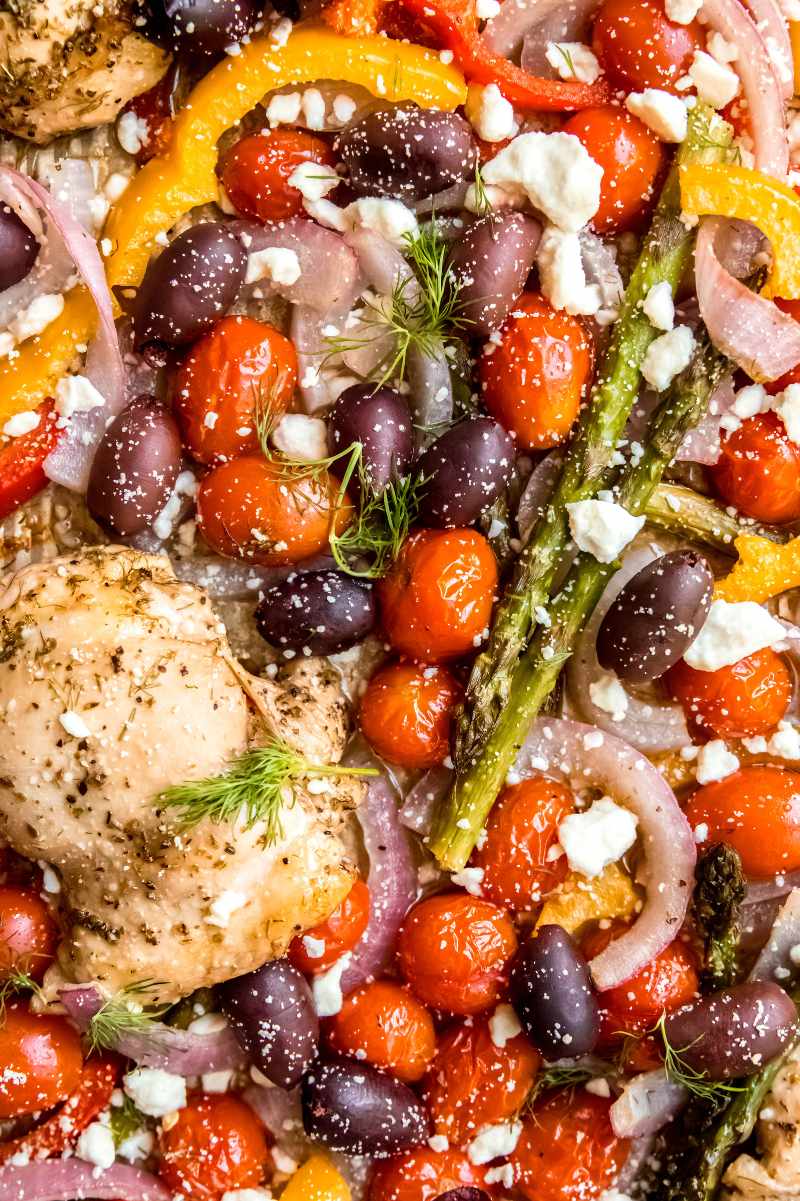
770, 23
431, 391
70, 181
381, 263
538, 491
647, 1103
600, 268
738, 245
417, 809
54, 266
75, 1180
305, 327
761, 891
329, 280
775, 961
280, 1111
640, 1151
570, 749
702, 444
542, 21
224, 579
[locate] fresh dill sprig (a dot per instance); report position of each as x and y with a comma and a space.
680, 1072
567, 57
380, 528
252, 787
16, 982
559, 1076
124, 1013
482, 203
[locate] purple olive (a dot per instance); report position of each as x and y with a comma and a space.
491, 263
733, 1032
324, 611
18, 248
189, 286
551, 990
354, 1108
380, 419
206, 27
135, 467
464, 470
273, 1017
466, 1193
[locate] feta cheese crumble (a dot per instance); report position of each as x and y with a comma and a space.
659, 307
132, 132
561, 275
716, 84
732, 631
392, 219
21, 423
96, 1145
74, 724
494, 1141
326, 988
302, 438
277, 263
37, 316
504, 1025
660, 111
489, 113
667, 357
609, 695
599, 836
715, 762
552, 171
682, 12
313, 180
573, 60
76, 394
602, 527
155, 1092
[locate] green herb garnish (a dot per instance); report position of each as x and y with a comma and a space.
380, 529
680, 1072
122, 1014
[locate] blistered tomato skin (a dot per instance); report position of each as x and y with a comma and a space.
405, 714
135, 467
383, 1024
567, 1150
256, 171
533, 381
755, 811
353, 1108
424, 1175
741, 701
632, 158
639, 47
28, 933
18, 248
758, 470
216, 1145
41, 1058
337, 934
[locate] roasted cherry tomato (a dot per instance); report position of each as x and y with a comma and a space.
405, 713
22, 461
792, 376
256, 171
41, 1061
517, 851
632, 159
644, 1054
385, 1025
669, 981
216, 1145
423, 1175
60, 1131
748, 698
758, 470
567, 1150
473, 1082
230, 379
755, 811
253, 509
155, 108
454, 951
437, 599
28, 933
533, 381
640, 47
322, 945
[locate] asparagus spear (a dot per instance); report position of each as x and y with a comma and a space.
587, 467
682, 511
716, 903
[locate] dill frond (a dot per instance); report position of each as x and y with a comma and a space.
17, 982
483, 205
381, 527
123, 1014
680, 1072
567, 57
559, 1076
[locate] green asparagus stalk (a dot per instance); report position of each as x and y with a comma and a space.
685, 512
588, 464
719, 890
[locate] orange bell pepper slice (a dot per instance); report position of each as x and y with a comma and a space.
764, 569
317, 1180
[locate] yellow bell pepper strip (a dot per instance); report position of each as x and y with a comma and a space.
317, 1180
774, 207
184, 177
764, 569
579, 901
794, 38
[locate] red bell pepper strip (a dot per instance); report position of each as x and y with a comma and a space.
22, 461
60, 1131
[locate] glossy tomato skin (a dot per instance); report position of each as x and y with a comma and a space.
28, 933
41, 1058
216, 1145
292, 515
758, 470
339, 933
423, 1175
256, 171
405, 713
748, 698
455, 950
522, 829
226, 377
755, 811
472, 1082
436, 600
383, 1024
567, 1150
633, 161
533, 381
639, 46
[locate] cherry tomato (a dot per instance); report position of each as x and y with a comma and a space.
437, 599
454, 951
337, 934
473, 1083
41, 1061
748, 698
383, 1024
632, 159
759, 470
156, 108
755, 811
533, 381
256, 171
668, 981
216, 1145
792, 376
252, 509
28, 933
223, 382
423, 1175
567, 1150
521, 832
405, 714
22, 461
640, 47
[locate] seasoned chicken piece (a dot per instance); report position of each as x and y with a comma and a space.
116, 682
776, 1173
71, 64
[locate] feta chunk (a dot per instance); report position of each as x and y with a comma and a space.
489, 113
682, 12
609, 695
313, 106
96, 1145
313, 180
494, 1141
785, 742
76, 394
37, 316
486, 9
732, 631
660, 111
602, 527
787, 405
247, 1194
599, 836
667, 357
504, 1025
284, 109
302, 438
74, 724
21, 423
277, 263
573, 60
138, 1145
132, 132
389, 218
552, 171
326, 988
561, 275
716, 84
659, 307
223, 907
715, 762
470, 879
155, 1092
343, 108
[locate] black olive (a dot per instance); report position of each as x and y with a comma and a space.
464, 471
380, 419
18, 248
491, 263
207, 27
552, 992
734, 1032
272, 1014
354, 1108
324, 611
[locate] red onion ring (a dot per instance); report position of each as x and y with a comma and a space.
74, 1180
279, 1109
305, 328
540, 20
537, 493
416, 812
775, 955
329, 279
54, 265
647, 1103
761, 891
702, 444
769, 22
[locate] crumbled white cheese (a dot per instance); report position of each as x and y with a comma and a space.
132, 132
313, 180
74, 724
116, 184
597, 837
313, 105
278, 263
96, 1145
609, 695
155, 1092
489, 113
326, 988
138, 1145
7, 344
439, 1142
561, 275
50, 881
280, 32
732, 631
37, 316
494, 1141
598, 1087
217, 1082
284, 109
715, 762
660, 111
682, 12
302, 438
343, 108
185, 485
486, 9
787, 405
573, 60
602, 527
21, 423
326, 213
720, 49
659, 307
247, 1194
470, 879
667, 356
716, 84
389, 218
76, 394
554, 172
224, 906
313, 947
785, 742
208, 1023
504, 1025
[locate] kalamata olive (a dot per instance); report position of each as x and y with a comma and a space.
380, 419
733, 1032
552, 992
464, 471
273, 1017
656, 616
189, 286
407, 152
324, 611
135, 467
490, 263
354, 1108
466, 1193
208, 26
18, 248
